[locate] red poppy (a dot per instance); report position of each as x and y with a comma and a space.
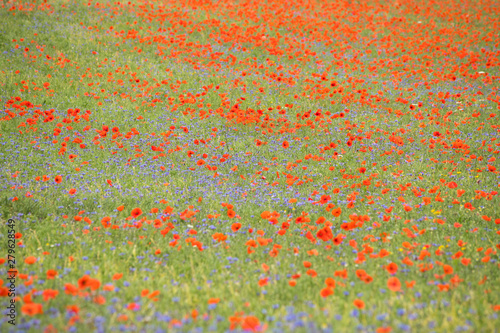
106, 222
250, 323
231, 213
325, 292
359, 304
361, 273
392, 268
58, 179
30, 260
367, 279
136, 212
51, 274
407, 208
50, 294
330, 282
32, 309
70, 289
312, 273
235, 227
325, 198
117, 276
338, 240
285, 144
394, 284
84, 282
336, 212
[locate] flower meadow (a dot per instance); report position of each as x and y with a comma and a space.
250, 166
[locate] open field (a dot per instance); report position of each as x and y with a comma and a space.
314, 166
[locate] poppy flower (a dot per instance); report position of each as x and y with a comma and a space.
30, 260
70, 289
367, 279
338, 240
73, 309
392, 268
361, 273
58, 179
136, 212
106, 222
324, 199
336, 211
394, 284
359, 304
231, 213
251, 323
51, 274
50, 294
285, 144
84, 282
235, 227
117, 276
32, 309
327, 291
99, 299
330, 282
265, 215
312, 273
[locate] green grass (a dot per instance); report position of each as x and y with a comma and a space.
184, 77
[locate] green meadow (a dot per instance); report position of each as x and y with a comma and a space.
249, 166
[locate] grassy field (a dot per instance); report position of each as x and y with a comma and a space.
312, 166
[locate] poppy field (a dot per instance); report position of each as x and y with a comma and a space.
250, 166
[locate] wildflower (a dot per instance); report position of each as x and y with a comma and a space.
235, 227
394, 284
30, 260
359, 304
32, 309
392, 268
51, 274
136, 212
